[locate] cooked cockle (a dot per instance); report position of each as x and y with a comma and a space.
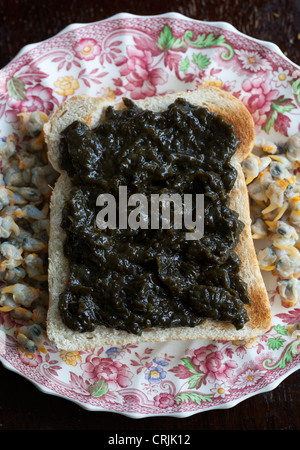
30, 337
279, 170
22, 293
292, 196
7, 150
39, 179
15, 197
292, 148
34, 265
7, 303
36, 333
293, 199
265, 161
295, 219
31, 244
26, 343
37, 144
285, 235
259, 229
256, 210
44, 297
288, 262
286, 231
256, 191
275, 194
27, 160
21, 313
33, 212
268, 146
265, 179
250, 168
272, 217
18, 239
28, 194
14, 176
4, 197
49, 173
32, 124
47, 170
267, 258
253, 166
41, 225
26, 241
15, 275
10, 210
290, 290
10, 256
39, 315
7, 227
30, 211
283, 161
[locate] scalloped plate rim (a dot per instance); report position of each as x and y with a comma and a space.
180, 415
220, 24
176, 15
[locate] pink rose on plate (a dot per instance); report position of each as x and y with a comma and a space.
164, 400
31, 359
213, 366
113, 372
87, 49
142, 79
38, 98
260, 101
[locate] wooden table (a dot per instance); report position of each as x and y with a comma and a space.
22, 405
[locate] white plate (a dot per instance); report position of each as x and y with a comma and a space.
139, 56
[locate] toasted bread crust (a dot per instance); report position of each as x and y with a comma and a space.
91, 110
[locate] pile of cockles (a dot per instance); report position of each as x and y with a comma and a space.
272, 173
26, 182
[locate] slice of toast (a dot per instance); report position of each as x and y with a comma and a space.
91, 111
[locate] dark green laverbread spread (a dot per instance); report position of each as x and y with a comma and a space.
138, 279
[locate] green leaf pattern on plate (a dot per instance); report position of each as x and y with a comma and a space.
16, 88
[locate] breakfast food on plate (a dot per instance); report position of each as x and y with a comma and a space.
272, 176
124, 285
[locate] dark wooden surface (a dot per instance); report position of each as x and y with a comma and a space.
22, 405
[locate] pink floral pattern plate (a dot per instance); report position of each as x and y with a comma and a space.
134, 56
